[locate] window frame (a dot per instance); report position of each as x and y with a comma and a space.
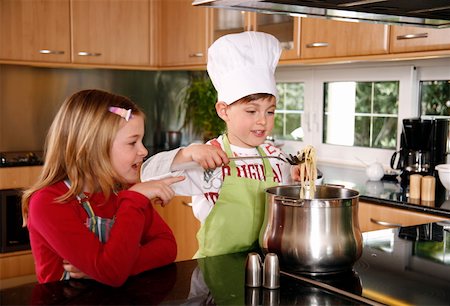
314, 79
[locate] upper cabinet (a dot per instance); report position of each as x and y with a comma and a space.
228, 21
411, 39
35, 30
322, 38
284, 27
111, 32
184, 34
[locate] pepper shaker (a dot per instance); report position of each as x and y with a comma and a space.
253, 270
428, 188
414, 186
271, 272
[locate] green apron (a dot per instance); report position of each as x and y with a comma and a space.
101, 227
234, 223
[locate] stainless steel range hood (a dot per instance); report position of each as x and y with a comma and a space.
424, 13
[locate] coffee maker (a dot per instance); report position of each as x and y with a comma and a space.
423, 145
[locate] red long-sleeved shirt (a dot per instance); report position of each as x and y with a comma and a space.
139, 240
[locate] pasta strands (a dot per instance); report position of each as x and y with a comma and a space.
308, 170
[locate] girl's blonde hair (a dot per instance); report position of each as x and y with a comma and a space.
78, 145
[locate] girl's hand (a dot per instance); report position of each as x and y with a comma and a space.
158, 191
73, 271
207, 156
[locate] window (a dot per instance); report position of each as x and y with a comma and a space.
435, 98
361, 114
288, 114
351, 114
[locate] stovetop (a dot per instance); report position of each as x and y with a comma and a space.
403, 266
21, 158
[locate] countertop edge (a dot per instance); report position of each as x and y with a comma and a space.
411, 207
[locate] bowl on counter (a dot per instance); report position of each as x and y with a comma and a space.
444, 175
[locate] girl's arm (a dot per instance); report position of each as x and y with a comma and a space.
158, 245
66, 235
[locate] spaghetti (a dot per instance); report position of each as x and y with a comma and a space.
308, 170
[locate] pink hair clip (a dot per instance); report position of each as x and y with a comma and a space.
122, 112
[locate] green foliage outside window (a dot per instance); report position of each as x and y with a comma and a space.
435, 98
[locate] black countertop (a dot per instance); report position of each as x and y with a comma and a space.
388, 191
403, 266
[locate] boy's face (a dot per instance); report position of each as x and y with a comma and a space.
128, 152
249, 123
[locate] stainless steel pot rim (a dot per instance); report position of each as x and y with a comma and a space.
323, 193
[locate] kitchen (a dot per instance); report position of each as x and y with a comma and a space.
24, 77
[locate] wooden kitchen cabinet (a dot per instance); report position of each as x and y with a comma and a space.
412, 39
184, 34
111, 32
19, 177
285, 28
374, 217
321, 38
178, 215
35, 30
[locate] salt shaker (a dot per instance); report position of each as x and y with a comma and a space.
253, 270
271, 271
428, 188
414, 186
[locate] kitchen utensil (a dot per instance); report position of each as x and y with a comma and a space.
312, 236
271, 271
293, 160
253, 270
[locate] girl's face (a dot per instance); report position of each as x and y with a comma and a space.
249, 123
127, 151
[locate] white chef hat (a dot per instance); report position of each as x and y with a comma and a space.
243, 64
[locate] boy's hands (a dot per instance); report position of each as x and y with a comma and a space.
207, 156
158, 191
296, 175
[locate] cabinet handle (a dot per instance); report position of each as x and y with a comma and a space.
384, 223
287, 45
412, 36
47, 51
187, 204
84, 53
199, 54
317, 45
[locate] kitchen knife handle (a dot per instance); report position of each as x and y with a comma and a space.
412, 36
47, 51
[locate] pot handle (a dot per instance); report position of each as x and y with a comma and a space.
290, 202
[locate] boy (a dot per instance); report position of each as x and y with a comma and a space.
228, 195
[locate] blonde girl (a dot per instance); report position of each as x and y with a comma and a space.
88, 215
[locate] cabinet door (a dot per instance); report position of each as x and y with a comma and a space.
228, 22
178, 215
34, 30
284, 27
374, 217
184, 33
111, 32
410, 39
321, 38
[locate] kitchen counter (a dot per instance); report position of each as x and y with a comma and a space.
387, 192
403, 266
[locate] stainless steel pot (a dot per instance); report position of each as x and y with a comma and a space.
316, 235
